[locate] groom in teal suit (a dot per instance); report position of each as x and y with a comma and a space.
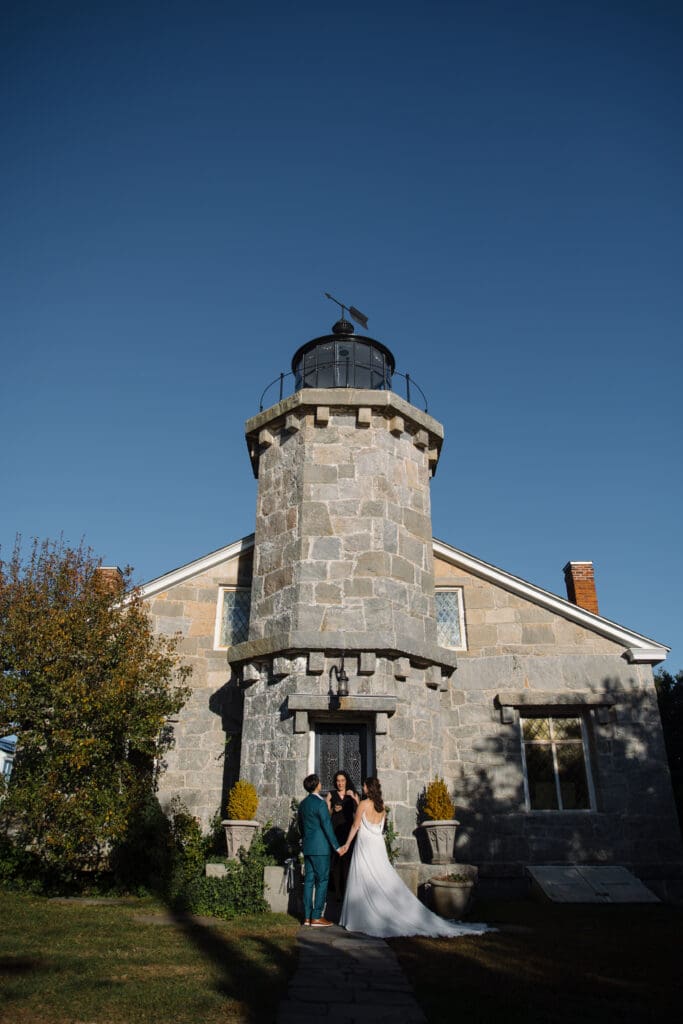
318, 842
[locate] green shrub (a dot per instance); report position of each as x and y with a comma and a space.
437, 803
281, 843
242, 802
143, 861
239, 891
214, 840
390, 837
187, 849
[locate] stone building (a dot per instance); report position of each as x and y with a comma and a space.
341, 634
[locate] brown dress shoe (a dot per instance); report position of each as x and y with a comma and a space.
307, 922
321, 922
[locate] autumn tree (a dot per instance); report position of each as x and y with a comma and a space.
88, 690
670, 698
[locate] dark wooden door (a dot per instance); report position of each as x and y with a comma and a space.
340, 746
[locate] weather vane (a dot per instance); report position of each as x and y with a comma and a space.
354, 313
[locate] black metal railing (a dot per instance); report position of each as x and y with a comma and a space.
284, 389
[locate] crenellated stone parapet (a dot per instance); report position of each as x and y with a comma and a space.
322, 407
266, 660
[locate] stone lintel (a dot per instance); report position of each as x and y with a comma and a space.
380, 703
316, 400
509, 700
334, 644
563, 698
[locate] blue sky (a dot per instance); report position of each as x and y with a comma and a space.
496, 185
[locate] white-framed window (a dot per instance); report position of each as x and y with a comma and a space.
232, 617
556, 762
450, 618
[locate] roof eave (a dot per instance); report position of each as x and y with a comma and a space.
638, 648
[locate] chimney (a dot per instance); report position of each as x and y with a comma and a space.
110, 578
580, 580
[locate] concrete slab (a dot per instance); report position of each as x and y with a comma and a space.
587, 883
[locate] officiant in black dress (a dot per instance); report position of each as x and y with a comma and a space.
342, 802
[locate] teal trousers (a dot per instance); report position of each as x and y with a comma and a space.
316, 877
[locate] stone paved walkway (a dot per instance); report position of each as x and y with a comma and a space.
347, 978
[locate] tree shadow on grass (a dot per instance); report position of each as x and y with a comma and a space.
552, 963
17, 965
240, 976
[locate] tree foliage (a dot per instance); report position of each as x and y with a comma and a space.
88, 689
670, 699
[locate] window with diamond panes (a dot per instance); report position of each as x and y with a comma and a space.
234, 616
556, 765
450, 618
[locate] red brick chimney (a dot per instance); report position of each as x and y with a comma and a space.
110, 578
580, 580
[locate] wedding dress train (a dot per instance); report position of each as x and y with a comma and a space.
378, 903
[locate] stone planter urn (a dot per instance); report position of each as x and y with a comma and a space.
451, 895
238, 833
441, 837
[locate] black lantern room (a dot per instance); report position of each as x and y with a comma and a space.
343, 360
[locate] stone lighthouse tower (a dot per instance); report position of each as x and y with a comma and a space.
342, 668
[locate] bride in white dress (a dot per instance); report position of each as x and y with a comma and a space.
377, 902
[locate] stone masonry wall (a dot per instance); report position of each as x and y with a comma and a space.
514, 645
408, 753
201, 764
455, 730
343, 531
499, 622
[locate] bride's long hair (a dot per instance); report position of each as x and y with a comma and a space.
374, 793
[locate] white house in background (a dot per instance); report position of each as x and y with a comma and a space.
8, 746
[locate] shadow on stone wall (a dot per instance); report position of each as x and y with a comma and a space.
634, 824
228, 703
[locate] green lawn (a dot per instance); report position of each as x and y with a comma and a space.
80, 963
553, 963
107, 964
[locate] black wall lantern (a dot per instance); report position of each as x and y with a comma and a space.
342, 679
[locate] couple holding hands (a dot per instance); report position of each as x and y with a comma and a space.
376, 900
325, 824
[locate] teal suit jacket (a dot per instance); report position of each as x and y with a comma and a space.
315, 827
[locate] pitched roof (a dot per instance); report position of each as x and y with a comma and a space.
639, 648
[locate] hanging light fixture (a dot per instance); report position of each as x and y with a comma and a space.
342, 679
